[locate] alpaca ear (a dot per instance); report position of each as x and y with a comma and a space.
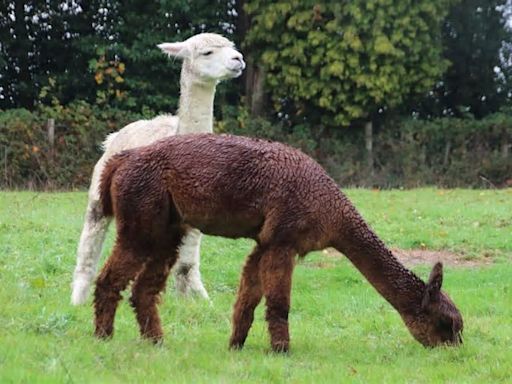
436, 277
433, 288
179, 49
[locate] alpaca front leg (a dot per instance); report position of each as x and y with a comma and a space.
276, 267
120, 269
187, 274
146, 296
248, 298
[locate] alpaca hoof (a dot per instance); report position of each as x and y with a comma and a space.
103, 334
280, 346
80, 289
236, 345
187, 288
156, 339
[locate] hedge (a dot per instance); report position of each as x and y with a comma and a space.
29, 161
446, 152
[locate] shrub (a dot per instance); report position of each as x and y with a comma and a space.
447, 152
28, 160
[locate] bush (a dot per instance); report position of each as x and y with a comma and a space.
446, 152
30, 162
238, 122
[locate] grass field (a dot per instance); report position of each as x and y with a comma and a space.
342, 331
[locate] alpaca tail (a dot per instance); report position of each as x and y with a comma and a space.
106, 182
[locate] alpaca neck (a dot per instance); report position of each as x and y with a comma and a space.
398, 285
196, 105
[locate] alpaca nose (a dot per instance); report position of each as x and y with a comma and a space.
240, 61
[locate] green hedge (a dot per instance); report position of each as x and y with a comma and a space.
446, 152
27, 159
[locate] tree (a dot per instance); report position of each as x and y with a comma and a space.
150, 79
16, 58
102, 51
477, 43
41, 56
330, 64
333, 63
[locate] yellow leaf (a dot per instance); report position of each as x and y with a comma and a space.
99, 78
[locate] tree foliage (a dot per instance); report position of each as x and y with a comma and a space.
333, 63
477, 43
102, 51
152, 79
326, 63
37, 50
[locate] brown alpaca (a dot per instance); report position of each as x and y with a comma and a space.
240, 187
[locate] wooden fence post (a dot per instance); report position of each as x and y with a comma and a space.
504, 144
50, 129
368, 138
6, 174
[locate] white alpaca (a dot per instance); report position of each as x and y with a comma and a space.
207, 59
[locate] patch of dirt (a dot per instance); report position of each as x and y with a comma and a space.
412, 257
425, 256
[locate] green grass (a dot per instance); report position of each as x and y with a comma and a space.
341, 329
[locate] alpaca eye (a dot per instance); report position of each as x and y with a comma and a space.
207, 53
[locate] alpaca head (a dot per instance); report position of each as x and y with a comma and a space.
437, 321
207, 57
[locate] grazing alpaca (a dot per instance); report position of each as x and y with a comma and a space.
239, 187
207, 59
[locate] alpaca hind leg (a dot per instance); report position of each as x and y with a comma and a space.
186, 271
120, 269
276, 267
89, 251
248, 298
146, 292
91, 240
